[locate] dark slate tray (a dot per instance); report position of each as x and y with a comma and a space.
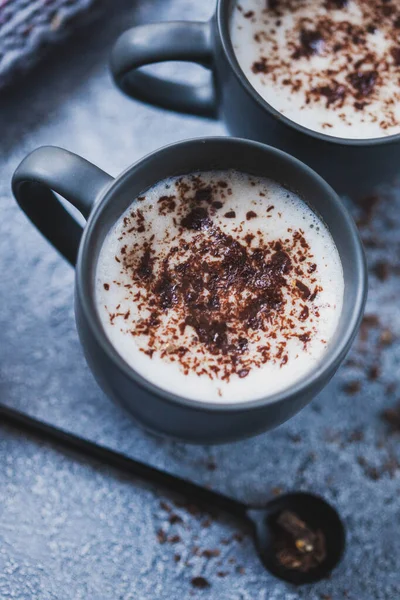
71, 530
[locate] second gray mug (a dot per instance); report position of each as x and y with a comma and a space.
351, 166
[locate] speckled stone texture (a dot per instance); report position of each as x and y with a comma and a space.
71, 530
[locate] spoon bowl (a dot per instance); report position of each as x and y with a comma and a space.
277, 547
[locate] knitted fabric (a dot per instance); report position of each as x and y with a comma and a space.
28, 26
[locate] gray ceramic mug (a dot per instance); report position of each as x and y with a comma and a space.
102, 199
351, 166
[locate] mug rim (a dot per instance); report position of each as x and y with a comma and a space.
334, 355
224, 34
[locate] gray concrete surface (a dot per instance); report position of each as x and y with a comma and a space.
71, 530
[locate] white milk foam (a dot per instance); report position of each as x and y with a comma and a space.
332, 66
120, 313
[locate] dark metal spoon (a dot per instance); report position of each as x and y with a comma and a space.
286, 529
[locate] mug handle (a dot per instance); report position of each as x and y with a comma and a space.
160, 42
77, 180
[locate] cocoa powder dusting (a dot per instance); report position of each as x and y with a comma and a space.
224, 305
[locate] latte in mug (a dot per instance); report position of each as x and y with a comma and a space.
332, 66
220, 286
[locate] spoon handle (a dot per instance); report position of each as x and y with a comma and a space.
196, 493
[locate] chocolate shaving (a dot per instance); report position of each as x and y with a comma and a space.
200, 583
260, 66
311, 42
304, 290
363, 82
196, 219
395, 52
298, 547
392, 417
